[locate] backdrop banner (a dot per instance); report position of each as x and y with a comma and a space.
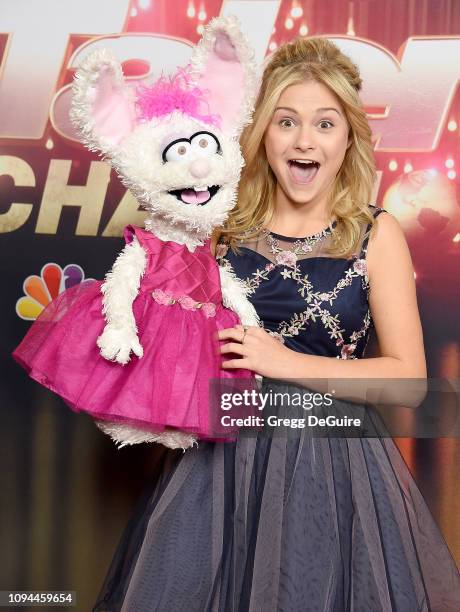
66, 490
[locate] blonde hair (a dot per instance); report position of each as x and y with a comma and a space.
301, 60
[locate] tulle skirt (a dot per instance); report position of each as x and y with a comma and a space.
167, 387
284, 523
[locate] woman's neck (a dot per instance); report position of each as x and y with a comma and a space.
292, 219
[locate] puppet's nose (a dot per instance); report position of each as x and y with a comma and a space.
199, 168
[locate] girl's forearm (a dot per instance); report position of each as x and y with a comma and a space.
313, 366
354, 379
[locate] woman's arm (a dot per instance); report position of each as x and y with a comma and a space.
393, 305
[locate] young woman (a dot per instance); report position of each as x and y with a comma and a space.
298, 522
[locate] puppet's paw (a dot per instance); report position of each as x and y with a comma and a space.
248, 315
117, 343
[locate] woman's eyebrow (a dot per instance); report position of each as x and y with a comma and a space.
318, 110
288, 108
328, 108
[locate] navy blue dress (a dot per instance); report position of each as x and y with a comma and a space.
295, 522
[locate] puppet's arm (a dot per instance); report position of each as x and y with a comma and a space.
120, 289
234, 296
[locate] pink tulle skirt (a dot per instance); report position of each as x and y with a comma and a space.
167, 387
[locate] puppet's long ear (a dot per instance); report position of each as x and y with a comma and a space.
223, 66
102, 108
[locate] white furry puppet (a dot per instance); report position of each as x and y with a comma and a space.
155, 316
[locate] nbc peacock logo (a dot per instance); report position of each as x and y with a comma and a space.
41, 290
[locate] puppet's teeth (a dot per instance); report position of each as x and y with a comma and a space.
204, 188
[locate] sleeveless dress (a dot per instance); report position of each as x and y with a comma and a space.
178, 311
288, 523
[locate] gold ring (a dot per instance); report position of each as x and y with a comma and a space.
245, 329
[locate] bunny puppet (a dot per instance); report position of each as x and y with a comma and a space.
136, 351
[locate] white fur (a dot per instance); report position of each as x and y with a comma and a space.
230, 26
83, 96
142, 170
120, 289
234, 296
123, 435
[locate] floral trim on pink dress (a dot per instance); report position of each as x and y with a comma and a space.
166, 298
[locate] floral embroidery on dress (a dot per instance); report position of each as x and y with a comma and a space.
317, 300
251, 284
299, 321
360, 267
286, 258
347, 351
276, 335
166, 298
365, 276
258, 276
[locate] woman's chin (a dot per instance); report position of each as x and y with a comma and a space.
299, 194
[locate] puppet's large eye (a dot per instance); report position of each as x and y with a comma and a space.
177, 150
204, 144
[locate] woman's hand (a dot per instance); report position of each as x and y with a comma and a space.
259, 352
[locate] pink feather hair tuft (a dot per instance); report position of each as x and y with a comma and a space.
173, 93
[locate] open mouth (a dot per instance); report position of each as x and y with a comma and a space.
193, 195
303, 170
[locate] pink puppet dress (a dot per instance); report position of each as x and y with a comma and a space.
178, 312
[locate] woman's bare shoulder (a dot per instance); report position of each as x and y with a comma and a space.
387, 242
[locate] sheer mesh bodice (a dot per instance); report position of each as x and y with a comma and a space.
319, 244
313, 301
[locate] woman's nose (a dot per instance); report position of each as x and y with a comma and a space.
305, 140
199, 168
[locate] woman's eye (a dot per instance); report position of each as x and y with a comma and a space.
286, 123
326, 123
205, 143
176, 151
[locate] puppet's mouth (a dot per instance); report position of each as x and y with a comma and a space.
194, 195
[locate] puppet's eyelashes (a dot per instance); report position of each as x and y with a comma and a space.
203, 144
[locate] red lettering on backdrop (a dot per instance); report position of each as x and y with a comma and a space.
409, 123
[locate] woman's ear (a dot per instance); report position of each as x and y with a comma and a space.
350, 139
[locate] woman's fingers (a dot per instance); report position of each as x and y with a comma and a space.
237, 332
231, 333
235, 335
236, 363
233, 347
